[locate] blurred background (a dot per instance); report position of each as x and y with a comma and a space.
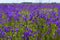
33, 1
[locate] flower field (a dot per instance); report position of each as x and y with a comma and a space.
30, 21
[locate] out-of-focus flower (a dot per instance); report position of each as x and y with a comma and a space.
17, 29
56, 22
28, 29
10, 37
21, 25
16, 18
42, 26
26, 34
41, 15
31, 16
12, 31
0, 29
58, 31
2, 33
8, 19
1, 15
10, 14
25, 18
6, 29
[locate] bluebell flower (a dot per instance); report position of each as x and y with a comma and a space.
51, 19
58, 28
28, 29
6, 29
26, 34
1, 15
10, 27
42, 26
12, 31
58, 31
0, 29
1, 23
41, 15
10, 14
3, 33
10, 37
16, 18
17, 29
53, 14
56, 22
25, 18
21, 25
31, 16
27, 38
8, 19
18, 15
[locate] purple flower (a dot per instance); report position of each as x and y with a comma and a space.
56, 22
42, 26
1, 15
27, 38
41, 15
53, 14
51, 19
10, 37
18, 15
58, 28
25, 19
58, 31
21, 25
0, 29
16, 18
26, 34
3, 33
6, 29
31, 17
28, 29
17, 29
12, 31
8, 19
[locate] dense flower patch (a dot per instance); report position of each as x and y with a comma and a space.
29, 22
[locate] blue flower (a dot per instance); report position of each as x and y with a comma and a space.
25, 18
0, 29
6, 29
10, 37
42, 26
53, 14
41, 15
21, 25
28, 29
16, 18
27, 38
56, 22
10, 14
3, 33
17, 29
12, 31
31, 16
26, 34
8, 19
58, 31
1, 15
